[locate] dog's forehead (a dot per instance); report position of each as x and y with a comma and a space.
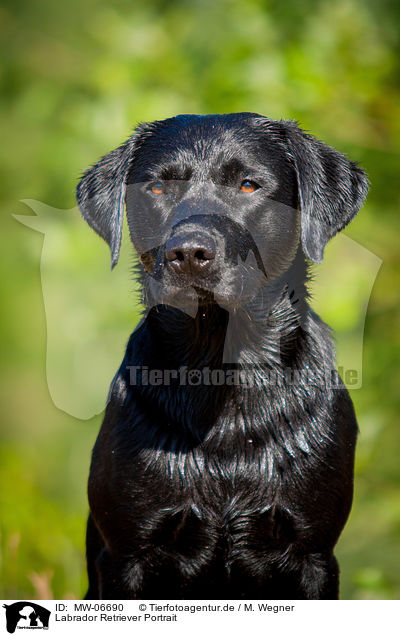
204, 143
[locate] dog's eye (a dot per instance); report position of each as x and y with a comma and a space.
157, 188
247, 186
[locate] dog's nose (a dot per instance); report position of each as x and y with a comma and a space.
190, 254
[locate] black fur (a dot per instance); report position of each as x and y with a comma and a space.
225, 490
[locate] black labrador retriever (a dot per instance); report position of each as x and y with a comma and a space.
224, 465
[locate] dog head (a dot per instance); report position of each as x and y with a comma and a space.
221, 203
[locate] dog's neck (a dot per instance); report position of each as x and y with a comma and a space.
267, 334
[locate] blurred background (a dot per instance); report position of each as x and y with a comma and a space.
76, 78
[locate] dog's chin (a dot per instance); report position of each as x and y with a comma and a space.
182, 297
205, 295
231, 289
189, 297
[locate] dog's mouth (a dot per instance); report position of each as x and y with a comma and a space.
148, 260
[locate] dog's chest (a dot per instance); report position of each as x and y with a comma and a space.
218, 507
231, 536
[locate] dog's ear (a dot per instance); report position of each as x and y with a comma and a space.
101, 195
331, 189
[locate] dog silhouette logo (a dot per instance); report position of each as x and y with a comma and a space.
26, 615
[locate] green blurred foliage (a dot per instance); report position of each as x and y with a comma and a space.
76, 78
